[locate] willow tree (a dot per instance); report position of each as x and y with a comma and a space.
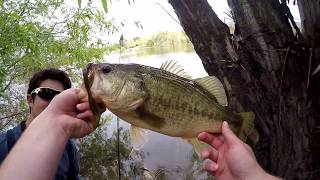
267, 66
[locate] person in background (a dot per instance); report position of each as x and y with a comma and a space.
229, 158
43, 87
37, 153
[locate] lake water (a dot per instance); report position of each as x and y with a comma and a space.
174, 155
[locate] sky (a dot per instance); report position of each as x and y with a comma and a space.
154, 18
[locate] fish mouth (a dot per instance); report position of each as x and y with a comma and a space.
97, 108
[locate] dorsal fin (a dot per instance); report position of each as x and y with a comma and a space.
215, 87
175, 68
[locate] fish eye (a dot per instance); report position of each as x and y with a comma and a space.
106, 69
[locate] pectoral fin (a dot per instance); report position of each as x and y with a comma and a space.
138, 137
197, 145
136, 104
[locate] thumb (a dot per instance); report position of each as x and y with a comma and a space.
228, 134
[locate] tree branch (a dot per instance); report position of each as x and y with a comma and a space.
310, 15
10, 116
14, 114
287, 12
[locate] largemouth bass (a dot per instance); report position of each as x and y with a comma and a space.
164, 100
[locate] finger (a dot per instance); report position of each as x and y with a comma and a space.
214, 140
230, 137
83, 106
76, 90
93, 121
85, 129
210, 153
85, 115
71, 91
211, 167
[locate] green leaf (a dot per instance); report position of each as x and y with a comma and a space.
105, 5
79, 3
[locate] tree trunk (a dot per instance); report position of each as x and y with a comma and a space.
267, 69
310, 18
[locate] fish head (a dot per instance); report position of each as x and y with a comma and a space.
113, 86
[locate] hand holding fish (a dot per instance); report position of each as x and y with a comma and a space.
230, 158
75, 118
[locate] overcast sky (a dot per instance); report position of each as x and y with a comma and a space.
154, 19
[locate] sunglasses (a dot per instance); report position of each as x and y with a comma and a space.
45, 93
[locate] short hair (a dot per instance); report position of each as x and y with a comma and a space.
50, 73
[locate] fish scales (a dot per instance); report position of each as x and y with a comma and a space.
181, 103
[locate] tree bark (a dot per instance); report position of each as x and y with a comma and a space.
310, 19
265, 68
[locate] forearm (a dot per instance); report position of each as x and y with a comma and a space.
262, 175
36, 155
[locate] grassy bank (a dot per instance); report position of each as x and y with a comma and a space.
172, 40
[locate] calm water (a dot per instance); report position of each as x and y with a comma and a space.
174, 155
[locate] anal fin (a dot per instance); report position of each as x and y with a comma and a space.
197, 145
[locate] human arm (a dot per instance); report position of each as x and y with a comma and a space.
230, 158
37, 153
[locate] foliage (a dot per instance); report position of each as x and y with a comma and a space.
160, 43
160, 39
99, 159
105, 5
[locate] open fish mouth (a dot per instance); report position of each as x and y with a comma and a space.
88, 76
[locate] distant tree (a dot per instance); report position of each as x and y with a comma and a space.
270, 67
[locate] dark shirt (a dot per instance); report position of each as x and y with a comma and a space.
69, 164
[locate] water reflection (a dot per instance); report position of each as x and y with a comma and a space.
162, 156
173, 156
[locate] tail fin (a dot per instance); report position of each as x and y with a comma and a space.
247, 129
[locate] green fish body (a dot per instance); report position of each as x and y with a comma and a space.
165, 100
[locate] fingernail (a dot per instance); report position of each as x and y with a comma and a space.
225, 124
79, 106
202, 136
